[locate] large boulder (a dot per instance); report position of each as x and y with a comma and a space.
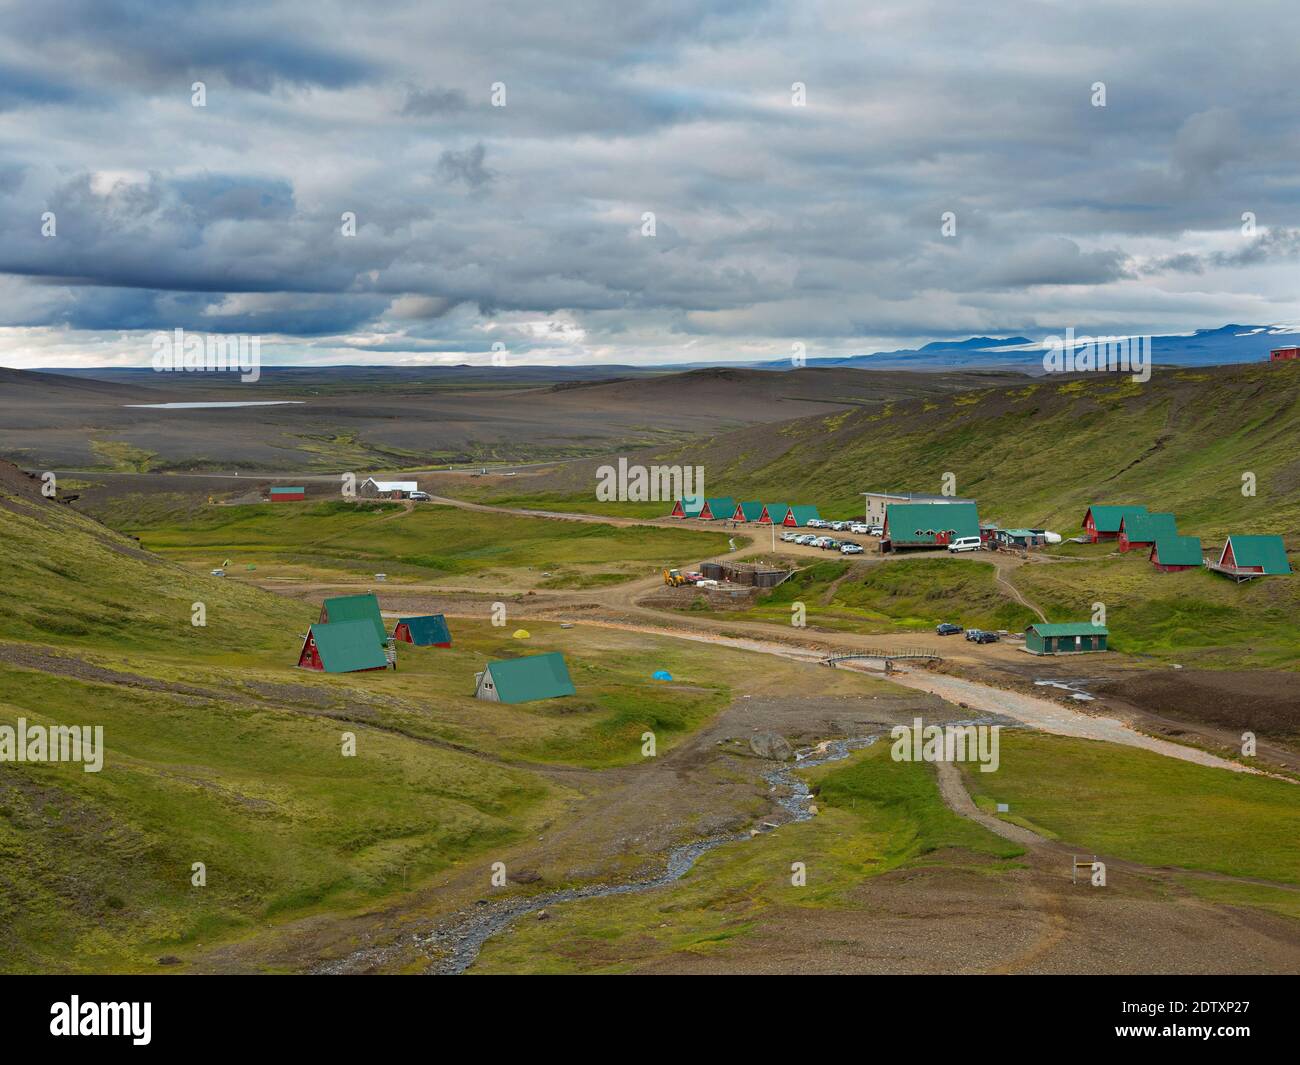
771, 745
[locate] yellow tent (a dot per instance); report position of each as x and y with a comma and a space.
522, 634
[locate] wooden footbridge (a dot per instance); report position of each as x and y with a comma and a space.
905, 654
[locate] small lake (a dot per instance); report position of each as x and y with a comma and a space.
236, 403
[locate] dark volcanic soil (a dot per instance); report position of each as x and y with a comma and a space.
1267, 703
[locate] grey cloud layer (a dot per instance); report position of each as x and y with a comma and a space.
773, 222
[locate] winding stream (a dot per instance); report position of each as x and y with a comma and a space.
466, 937
463, 937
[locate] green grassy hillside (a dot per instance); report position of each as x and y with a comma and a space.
424, 543
1038, 455
217, 750
1139, 805
1034, 454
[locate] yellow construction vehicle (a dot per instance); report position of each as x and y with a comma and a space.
673, 578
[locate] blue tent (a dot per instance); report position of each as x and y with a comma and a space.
662, 674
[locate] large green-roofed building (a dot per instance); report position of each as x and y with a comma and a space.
927, 524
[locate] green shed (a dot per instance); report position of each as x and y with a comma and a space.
799, 516
717, 508
773, 513
750, 511
355, 608
1171, 553
1142, 529
342, 647
524, 680
927, 524
1068, 637
1101, 521
1255, 555
428, 630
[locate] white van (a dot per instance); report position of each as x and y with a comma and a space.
965, 543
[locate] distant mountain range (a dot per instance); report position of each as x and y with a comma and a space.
1205, 347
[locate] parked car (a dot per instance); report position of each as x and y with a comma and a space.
421, 497
840, 526
859, 528
965, 543
825, 541
817, 523
986, 637
947, 628
876, 530
788, 536
850, 549
804, 538
972, 633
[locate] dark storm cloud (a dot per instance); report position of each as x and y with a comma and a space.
466, 167
434, 101
531, 223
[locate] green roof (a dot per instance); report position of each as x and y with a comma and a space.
1107, 517
427, 629
1178, 550
904, 519
1266, 551
275, 491
721, 507
1147, 528
751, 511
776, 511
521, 680
355, 608
1069, 628
802, 514
345, 646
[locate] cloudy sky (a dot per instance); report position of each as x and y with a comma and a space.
776, 220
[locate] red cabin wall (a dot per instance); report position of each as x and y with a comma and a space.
1282, 354
790, 520
310, 657
678, 510
403, 633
